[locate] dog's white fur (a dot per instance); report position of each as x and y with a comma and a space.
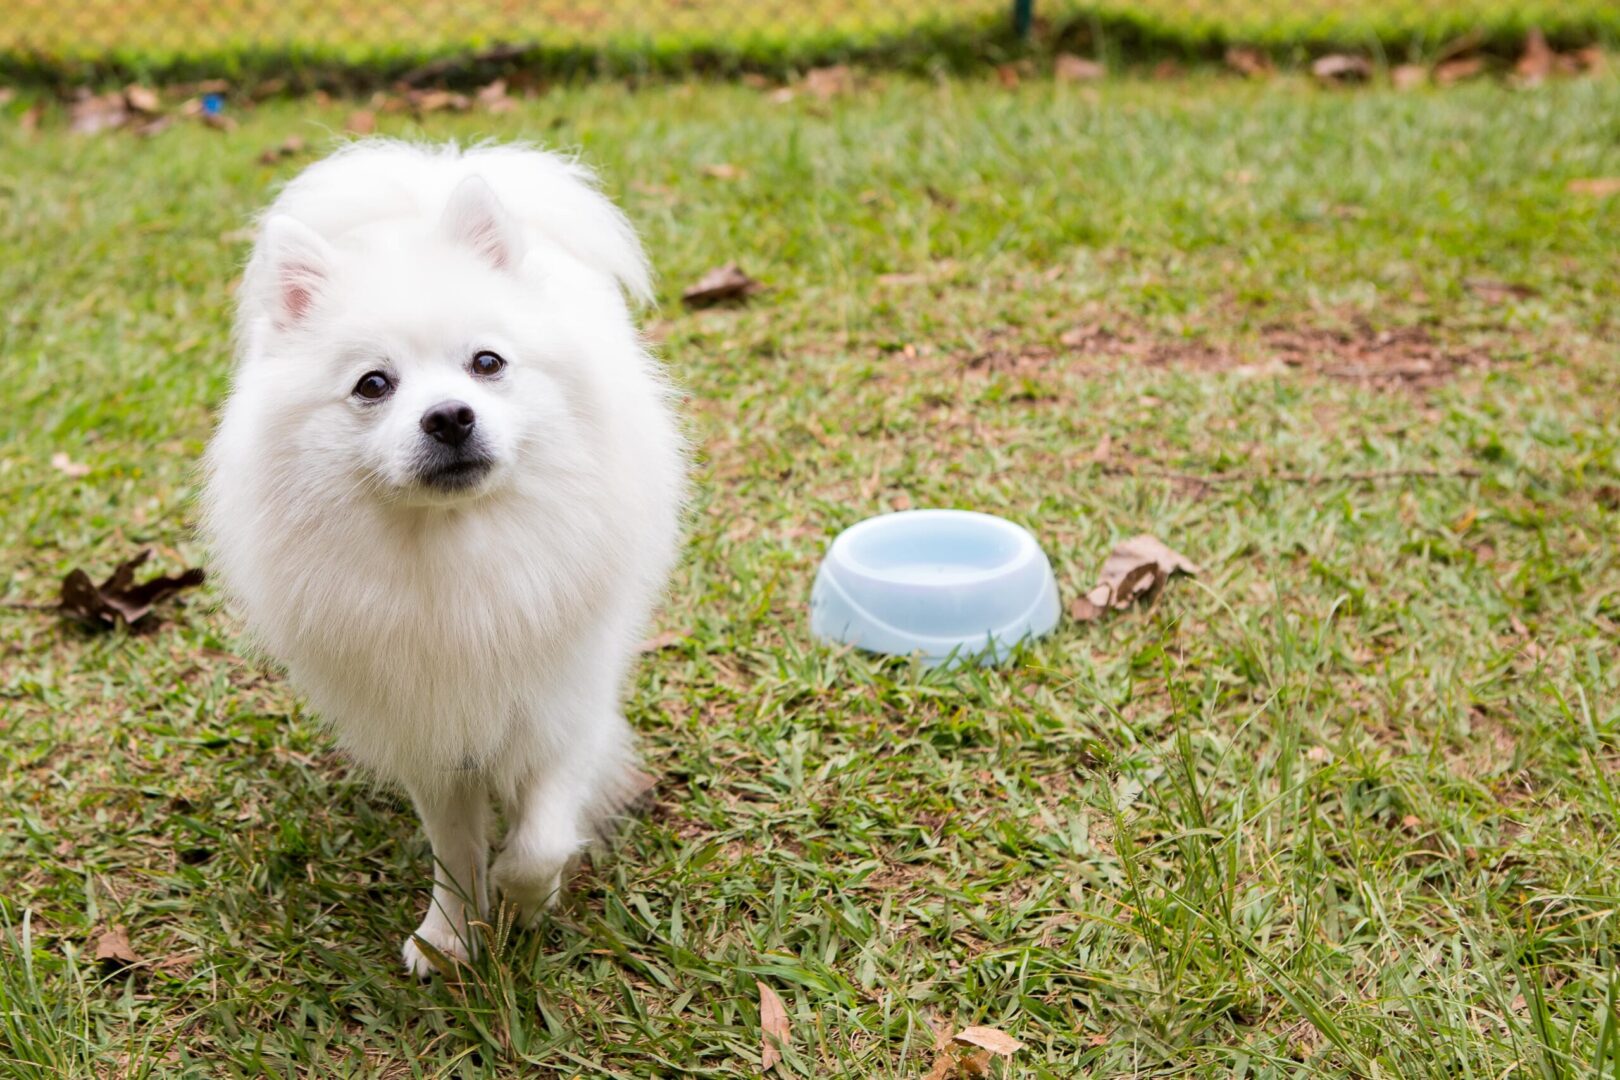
469, 644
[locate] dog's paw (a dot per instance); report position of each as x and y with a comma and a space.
529, 885
441, 938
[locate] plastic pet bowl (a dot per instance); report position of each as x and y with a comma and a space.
948, 585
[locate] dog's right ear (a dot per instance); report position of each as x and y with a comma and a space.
297, 268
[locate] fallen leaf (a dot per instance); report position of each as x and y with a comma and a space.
1597, 187
1587, 58
91, 114
1071, 68
291, 146
1104, 447
1455, 71
1408, 76
361, 122
143, 99
828, 82
1497, 292
724, 170
432, 101
1318, 755
662, 641
119, 599
67, 466
775, 1032
1411, 823
723, 284
1250, 63
1007, 75
493, 98
1342, 68
113, 950
1135, 570
1537, 61
995, 1040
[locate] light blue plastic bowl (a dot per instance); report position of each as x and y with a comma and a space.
946, 585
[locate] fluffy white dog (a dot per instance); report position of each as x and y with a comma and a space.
445, 493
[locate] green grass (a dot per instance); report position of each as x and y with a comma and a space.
61, 42
1345, 804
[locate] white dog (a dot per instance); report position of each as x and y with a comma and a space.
445, 493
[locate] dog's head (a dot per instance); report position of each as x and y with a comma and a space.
420, 362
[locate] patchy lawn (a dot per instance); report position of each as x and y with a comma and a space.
1343, 803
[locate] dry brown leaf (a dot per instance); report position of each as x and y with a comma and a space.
1455, 71
992, 1039
1071, 68
119, 599
431, 101
291, 146
143, 99
113, 950
1411, 823
1135, 571
775, 1031
723, 284
1104, 447
1007, 75
826, 83
91, 114
1538, 60
1250, 63
724, 170
1342, 68
1498, 292
361, 122
1318, 755
67, 466
1408, 76
662, 641
493, 98
1598, 187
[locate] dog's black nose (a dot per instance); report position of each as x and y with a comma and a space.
450, 422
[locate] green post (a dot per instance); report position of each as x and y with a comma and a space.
1023, 17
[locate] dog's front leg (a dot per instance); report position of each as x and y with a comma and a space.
456, 820
545, 829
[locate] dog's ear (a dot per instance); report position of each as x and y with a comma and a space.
299, 264
474, 216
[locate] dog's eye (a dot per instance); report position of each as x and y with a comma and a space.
373, 385
487, 363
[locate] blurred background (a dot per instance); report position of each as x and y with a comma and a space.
322, 42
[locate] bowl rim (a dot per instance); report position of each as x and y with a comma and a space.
1027, 549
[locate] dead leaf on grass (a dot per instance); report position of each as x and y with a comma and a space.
1250, 63
361, 122
91, 114
113, 950
143, 99
1498, 292
432, 101
1408, 76
1600, 187
1071, 68
291, 146
995, 1040
775, 1031
67, 466
493, 98
724, 170
1135, 570
826, 83
660, 642
1538, 60
1455, 71
119, 599
722, 285
1338, 68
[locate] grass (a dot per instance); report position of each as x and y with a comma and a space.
61, 42
1343, 805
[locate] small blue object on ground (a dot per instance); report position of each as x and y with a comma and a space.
949, 586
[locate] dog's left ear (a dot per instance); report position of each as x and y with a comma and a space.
474, 216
